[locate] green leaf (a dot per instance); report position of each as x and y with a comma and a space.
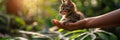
88, 38
111, 36
28, 28
4, 38
103, 36
57, 38
63, 31
60, 30
76, 31
19, 21
73, 36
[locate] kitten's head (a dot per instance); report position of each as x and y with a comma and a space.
66, 7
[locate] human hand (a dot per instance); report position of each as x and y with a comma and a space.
73, 26
67, 26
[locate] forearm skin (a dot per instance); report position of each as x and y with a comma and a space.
105, 19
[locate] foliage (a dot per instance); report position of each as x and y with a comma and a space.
90, 34
40, 12
96, 7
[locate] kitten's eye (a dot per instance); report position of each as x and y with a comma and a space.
62, 8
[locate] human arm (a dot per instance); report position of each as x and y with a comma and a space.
110, 19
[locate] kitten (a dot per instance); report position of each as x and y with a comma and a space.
69, 12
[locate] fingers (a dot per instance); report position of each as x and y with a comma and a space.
69, 26
57, 23
75, 26
54, 21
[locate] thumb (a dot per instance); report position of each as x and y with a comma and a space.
54, 21
57, 23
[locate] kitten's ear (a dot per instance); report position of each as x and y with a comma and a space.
69, 2
63, 1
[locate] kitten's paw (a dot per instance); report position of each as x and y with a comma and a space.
64, 23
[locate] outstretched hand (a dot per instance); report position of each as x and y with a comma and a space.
69, 26
73, 26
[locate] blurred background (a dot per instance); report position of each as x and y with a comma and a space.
34, 16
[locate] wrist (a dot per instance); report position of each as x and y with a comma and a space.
89, 22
